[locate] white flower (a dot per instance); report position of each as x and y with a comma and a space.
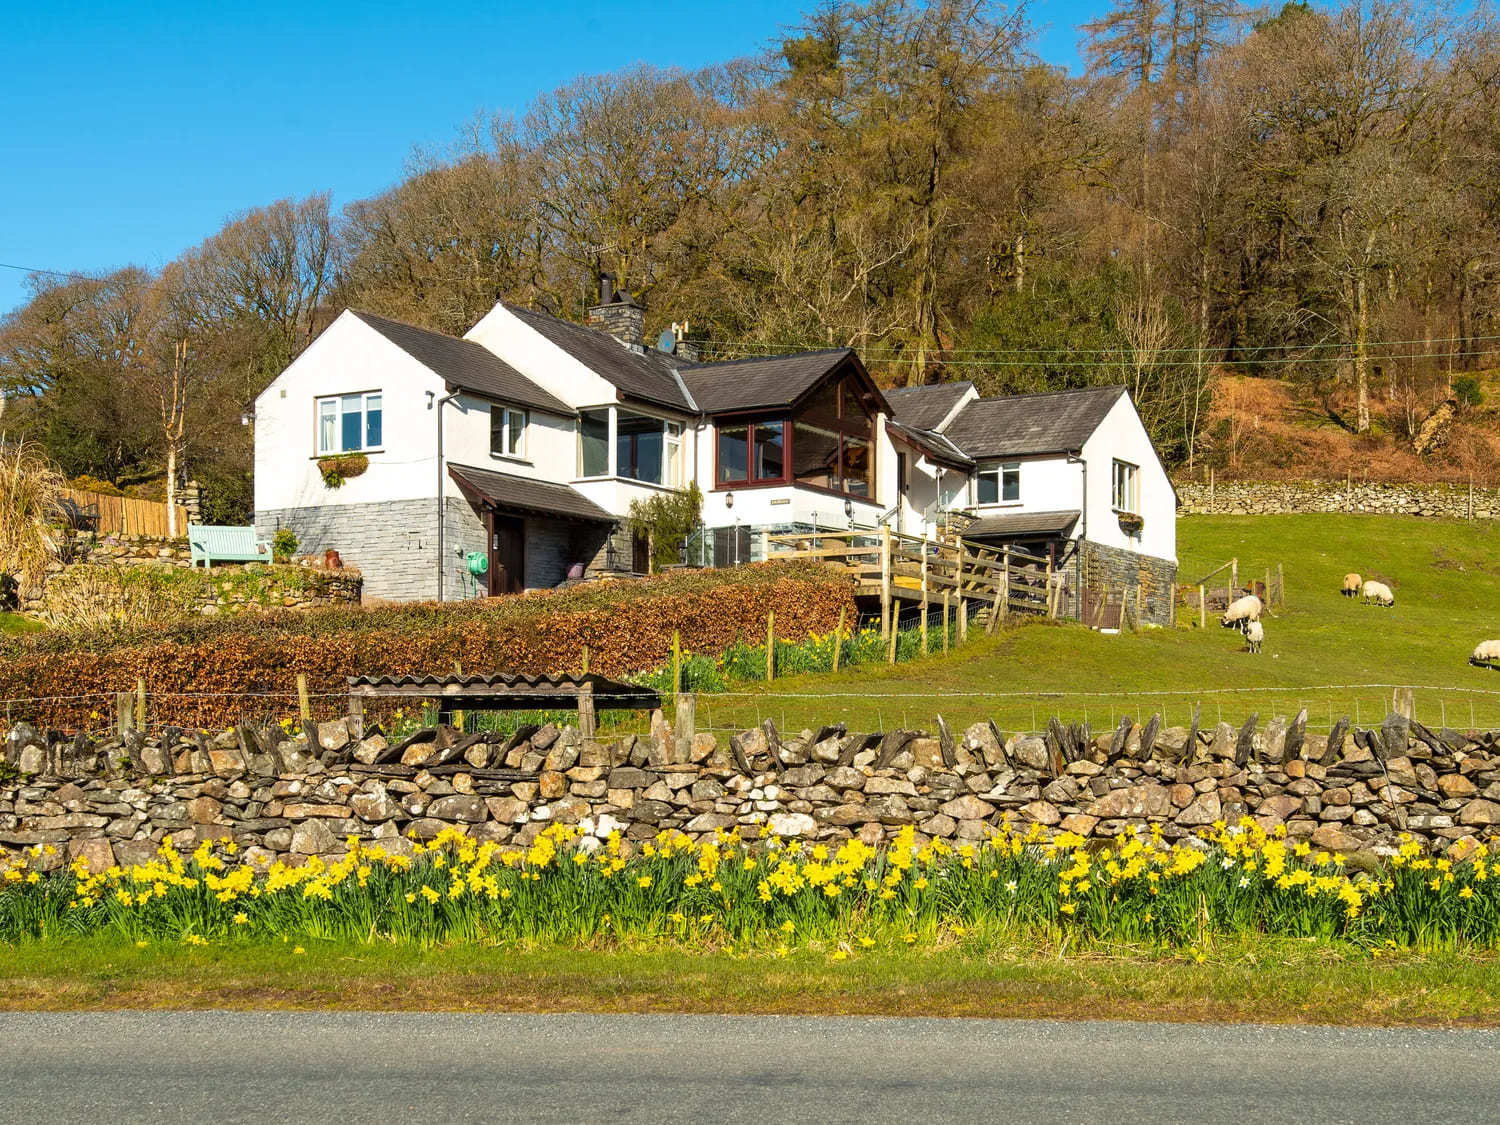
1011, 886
1244, 880
1226, 863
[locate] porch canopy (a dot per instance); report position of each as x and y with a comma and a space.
505, 492
1022, 525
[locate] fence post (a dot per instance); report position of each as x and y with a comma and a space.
765, 544
1048, 587
1202, 607
1234, 577
585, 671
1280, 585
687, 717
890, 643
588, 718
838, 637
676, 662
945, 622
304, 705
924, 595
123, 719
770, 645
458, 716
140, 702
1403, 702
885, 580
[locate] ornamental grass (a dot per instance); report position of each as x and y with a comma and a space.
771, 895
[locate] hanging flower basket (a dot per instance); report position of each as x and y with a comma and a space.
1130, 523
336, 470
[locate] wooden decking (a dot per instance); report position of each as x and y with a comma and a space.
952, 572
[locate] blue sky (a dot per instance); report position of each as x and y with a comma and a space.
130, 132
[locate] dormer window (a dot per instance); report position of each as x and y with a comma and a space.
998, 484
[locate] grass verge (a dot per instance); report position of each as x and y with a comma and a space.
1303, 982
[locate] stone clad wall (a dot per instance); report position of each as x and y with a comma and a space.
1272, 498
286, 797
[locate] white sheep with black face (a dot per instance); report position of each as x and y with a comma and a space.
1255, 633
1241, 612
1485, 653
1377, 592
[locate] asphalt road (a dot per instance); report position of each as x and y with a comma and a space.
357, 1068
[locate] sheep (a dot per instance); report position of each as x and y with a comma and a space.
1378, 592
1352, 583
1240, 611
1255, 632
1485, 652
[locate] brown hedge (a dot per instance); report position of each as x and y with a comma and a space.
210, 672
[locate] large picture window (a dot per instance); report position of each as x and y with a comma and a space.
754, 452
998, 484
507, 431
828, 443
349, 423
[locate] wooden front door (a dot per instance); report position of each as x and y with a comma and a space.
507, 554
640, 553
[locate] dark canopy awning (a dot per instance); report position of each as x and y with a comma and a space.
1022, 525
508, 493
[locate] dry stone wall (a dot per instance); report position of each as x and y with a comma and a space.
1257, 498
95, 582
288, 796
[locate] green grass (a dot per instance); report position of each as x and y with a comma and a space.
13, 625
1281, 982
1445, 574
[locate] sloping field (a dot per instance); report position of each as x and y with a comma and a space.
1322, 651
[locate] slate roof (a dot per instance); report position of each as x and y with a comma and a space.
465, 365
759, 381
650, 377
1020, 425
935, 445
503, 490
1018, 524
925, 407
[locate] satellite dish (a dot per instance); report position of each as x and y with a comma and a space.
667, 342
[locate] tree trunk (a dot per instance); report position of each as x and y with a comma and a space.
1361, 352
171, 489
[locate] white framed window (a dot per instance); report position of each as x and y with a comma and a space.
350, 423
998, 484
508, 431
1124, 493
673, 466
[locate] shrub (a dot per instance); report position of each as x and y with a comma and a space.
203, 667
30, 489
1466, 390
667, 519
283, 544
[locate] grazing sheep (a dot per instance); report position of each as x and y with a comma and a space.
1255, 632
1485, 652
1241, 611
1378, 592
1352, 583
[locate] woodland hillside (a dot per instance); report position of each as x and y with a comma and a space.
1296, 208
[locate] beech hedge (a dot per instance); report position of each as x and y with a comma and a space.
212, 671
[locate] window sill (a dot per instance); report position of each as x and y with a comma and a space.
346, 453
1001, 504
626, 480
511, 459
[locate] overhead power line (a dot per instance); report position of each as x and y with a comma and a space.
52, 273
1124, 362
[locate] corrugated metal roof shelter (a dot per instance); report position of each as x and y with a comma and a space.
507, 691
465, 365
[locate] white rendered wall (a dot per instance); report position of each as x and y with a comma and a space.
539, 359
1048, 484
348, 357
551, 442
1121, 435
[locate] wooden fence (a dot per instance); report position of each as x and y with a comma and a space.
125, 515
954, 572
1215, 590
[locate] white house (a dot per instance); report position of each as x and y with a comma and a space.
532, 435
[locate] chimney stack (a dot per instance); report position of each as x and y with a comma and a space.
619, 314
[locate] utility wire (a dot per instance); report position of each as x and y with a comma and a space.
1115, 350
1117, 364
53, 273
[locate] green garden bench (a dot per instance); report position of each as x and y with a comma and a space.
209, 544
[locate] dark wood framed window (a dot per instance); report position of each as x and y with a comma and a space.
751, 453
828, 443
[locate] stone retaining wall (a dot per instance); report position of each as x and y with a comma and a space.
1274, 498
95, 583
290, 797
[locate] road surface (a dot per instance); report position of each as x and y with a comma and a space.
354, 1068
